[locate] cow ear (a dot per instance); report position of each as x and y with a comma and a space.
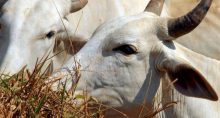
188, 80
73, 46
68, 41
76, 5
70, 45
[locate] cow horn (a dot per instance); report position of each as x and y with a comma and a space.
155, 6
76, 5
185, 24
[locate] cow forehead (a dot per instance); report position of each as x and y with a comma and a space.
127, 27
124, 24
19, 6
35, 16
33, 8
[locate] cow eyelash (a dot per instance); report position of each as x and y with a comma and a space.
126, 49
50, 34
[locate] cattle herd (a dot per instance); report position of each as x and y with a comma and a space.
126, 51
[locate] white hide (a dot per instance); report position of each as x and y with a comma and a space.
24, 26
126, 81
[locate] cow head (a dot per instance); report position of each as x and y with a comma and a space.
126, 58
29, 29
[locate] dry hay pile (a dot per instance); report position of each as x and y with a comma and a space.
26, 94
29, 94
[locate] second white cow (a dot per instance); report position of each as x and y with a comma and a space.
28, 30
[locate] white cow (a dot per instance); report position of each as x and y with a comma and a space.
82, 25
124, 62
29, 27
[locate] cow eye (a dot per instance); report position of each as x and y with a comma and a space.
126, 49
50, 34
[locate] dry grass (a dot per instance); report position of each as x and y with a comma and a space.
26, 94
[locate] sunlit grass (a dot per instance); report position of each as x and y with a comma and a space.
28, 94
25, 94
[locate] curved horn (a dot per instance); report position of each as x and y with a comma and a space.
76, 5
185, 24
155, 6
